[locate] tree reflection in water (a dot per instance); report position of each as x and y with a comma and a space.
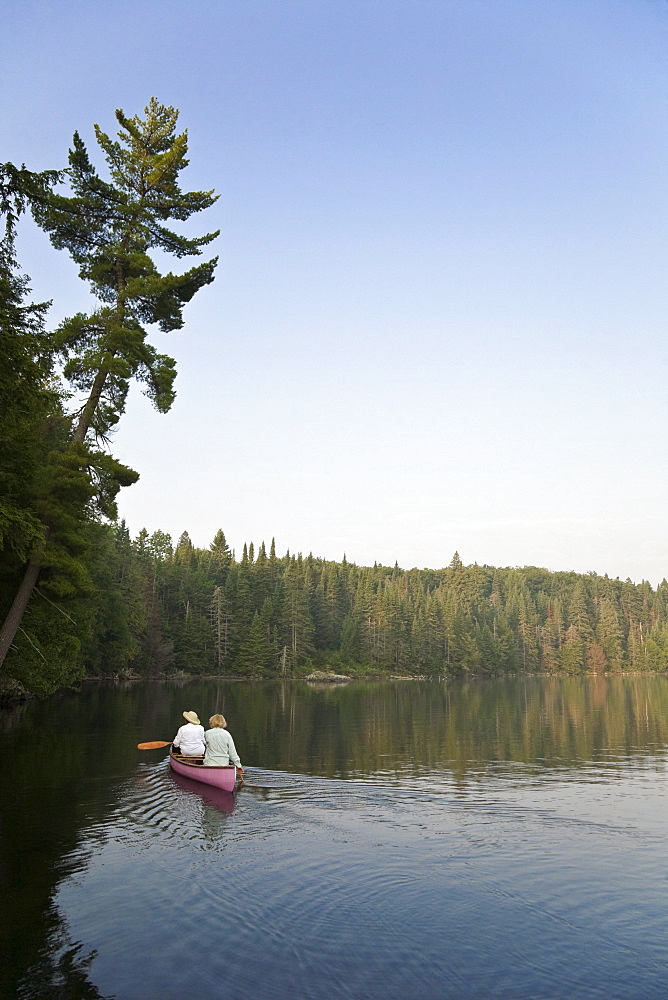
61, 970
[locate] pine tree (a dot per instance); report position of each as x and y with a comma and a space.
221, 623
140, 545
610, 634
551, 637
573, 651
221, 553
528, 633
262, 583
257, 650
110, 230
184, 552
578, 612
297, 623
120, 609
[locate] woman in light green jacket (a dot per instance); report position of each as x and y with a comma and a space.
220, 748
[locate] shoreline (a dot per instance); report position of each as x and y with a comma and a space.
13, 692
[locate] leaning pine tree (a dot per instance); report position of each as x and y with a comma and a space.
110, 229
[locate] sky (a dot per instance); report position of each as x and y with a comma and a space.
439, 321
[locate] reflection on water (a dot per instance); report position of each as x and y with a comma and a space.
61, 970
217, 798
414, 840
396, 728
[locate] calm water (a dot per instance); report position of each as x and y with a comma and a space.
496, 839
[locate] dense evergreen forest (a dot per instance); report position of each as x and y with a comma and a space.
79, 597
158, 609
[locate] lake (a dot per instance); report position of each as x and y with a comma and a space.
396, 840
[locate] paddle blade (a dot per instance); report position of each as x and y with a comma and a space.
153, 746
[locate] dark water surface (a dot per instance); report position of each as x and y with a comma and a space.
408, 840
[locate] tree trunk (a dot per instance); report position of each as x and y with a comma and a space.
17, 610
88, 411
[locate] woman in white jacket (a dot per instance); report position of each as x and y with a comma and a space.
190, 738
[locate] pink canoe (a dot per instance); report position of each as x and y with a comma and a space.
224, 777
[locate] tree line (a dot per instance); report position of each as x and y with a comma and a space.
159, 608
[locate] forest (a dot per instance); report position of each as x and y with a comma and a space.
155, 609
79, 597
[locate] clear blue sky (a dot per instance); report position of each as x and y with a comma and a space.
440, 317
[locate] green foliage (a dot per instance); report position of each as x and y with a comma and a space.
199, 611
55, 480
110, 229
30, 399
153, 609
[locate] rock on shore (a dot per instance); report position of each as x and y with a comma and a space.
322, 675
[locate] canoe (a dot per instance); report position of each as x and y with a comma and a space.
224, 777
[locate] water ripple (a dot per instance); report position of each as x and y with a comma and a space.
315, 881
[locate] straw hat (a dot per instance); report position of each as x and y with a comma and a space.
192, 717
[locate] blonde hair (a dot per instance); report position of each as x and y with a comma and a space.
217, 722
